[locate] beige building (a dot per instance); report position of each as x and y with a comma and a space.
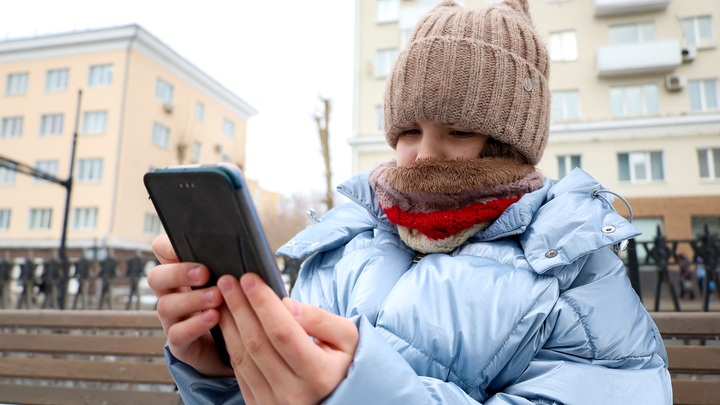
143, 107
636, 98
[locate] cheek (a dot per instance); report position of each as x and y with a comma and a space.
404, 153
469, 148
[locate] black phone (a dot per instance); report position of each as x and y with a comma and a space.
210, 218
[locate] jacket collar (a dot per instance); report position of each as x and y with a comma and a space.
561, 216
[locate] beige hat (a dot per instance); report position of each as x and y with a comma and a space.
485, 69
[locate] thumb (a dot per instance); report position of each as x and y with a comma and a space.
334, 330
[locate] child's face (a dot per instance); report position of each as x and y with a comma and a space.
430, 139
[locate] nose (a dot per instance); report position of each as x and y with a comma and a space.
430, 145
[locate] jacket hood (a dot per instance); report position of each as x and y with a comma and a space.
561, 216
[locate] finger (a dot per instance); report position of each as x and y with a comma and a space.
254, 336
337, 331
285, 333
242, 363
167, 278
181, 334
172, 308
163, 250
247, 394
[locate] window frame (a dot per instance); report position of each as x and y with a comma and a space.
48, 88
4, 124
166, 135
564, 94
564, 57
199, 111
5, 214
699, 44
164, 91
568, 163
196, 152
644, 106
152, 224
7, 176
392, 54
387, 13
648, 167
703, 95
99, 80
95, 167
43, 165
227, 123
22, 83
81, 213
43, 125
41, 220
713, 174
638, 29
86, 120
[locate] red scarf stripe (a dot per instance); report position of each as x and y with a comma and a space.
439, 225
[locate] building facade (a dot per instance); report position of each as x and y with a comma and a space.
143, 106
635, 98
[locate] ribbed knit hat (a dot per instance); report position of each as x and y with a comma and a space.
486, 70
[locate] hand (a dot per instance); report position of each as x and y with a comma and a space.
274, 360
187, 315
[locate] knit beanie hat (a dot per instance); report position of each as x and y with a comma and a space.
486, 70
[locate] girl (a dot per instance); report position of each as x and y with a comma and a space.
458, 274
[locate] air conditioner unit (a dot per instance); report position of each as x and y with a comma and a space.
168, 107
688, 53
218, 148
674, 82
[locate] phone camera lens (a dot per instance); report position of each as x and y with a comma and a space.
193, 185
180, 185
186, 185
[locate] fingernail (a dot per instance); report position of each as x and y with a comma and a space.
225, 286
248, 284
194, 273
208, 296
206, 317
295, 308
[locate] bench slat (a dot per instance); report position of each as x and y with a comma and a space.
694, 359
64, 369
696, 392
687, 324
38, 395
83, 344
49, 318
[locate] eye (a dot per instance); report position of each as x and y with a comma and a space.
462, 134
410, 132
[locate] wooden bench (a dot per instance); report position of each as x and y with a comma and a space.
695, 368
83, 357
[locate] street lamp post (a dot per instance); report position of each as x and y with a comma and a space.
31, 171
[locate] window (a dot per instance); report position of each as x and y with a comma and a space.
84, 219
16, 84
404, 37
703, 94
11, 127
228, 127
89, 170
639, 167
225, 159
7, 176
47, 166
631, 33
196, 152
51, 124
648, 227
709, 162
698, 225
565, 105
385, 59
631, 101
698, 31
199, 111
152, 224
567, 163
161, 135
379, 118
164, 91
4, 219
563, 46
94, 122
56, 80
387, 11
39, 218
100, 75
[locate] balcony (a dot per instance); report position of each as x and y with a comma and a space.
605, 8
638, 58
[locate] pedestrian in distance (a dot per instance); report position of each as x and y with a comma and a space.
458, 274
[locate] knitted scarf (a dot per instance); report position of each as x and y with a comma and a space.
437, 204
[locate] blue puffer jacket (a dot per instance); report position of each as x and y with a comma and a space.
497, 321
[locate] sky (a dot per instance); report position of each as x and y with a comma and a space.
280, 56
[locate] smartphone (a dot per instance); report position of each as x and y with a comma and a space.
209, 218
